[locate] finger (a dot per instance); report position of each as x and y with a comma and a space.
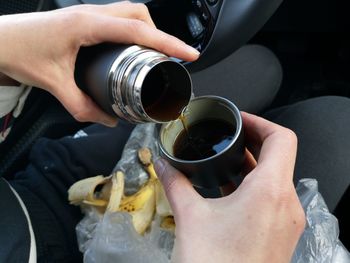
124, 9
81, 106
129, 10
178, 189
132, 31
256, 130
278, 153
272, 145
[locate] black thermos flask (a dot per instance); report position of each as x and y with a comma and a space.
133, 82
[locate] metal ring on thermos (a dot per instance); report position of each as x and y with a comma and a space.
136, 83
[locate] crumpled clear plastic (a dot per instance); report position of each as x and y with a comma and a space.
143, 135
115, 240
319, 243
112, 238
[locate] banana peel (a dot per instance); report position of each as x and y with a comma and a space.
163, 208
107, 194
140, 206
86, 192
145, 157
162, 204
116, 192
168, 223
143, 217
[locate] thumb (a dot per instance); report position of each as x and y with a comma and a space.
81, 106
177, 187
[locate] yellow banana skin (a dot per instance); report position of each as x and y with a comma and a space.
116, 192
168, 223
138, 200
142, 205
143, 217
84, 192
162, 204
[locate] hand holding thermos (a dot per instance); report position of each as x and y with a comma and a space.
40, 49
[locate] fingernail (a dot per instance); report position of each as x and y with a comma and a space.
194, 51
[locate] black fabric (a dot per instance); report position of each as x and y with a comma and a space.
323, 129
54, 166
250, 77
14, 229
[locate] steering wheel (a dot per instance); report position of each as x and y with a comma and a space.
215, 27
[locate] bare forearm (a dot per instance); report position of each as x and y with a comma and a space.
5, 39
6, 47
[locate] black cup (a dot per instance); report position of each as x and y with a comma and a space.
217, 170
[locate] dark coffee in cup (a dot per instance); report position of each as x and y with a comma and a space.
203, 139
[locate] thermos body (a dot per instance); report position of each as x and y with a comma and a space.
135, 83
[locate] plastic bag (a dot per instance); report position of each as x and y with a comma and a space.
319, 242
111, 237
115, 240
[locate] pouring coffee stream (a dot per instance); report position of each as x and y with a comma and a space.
188, 137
